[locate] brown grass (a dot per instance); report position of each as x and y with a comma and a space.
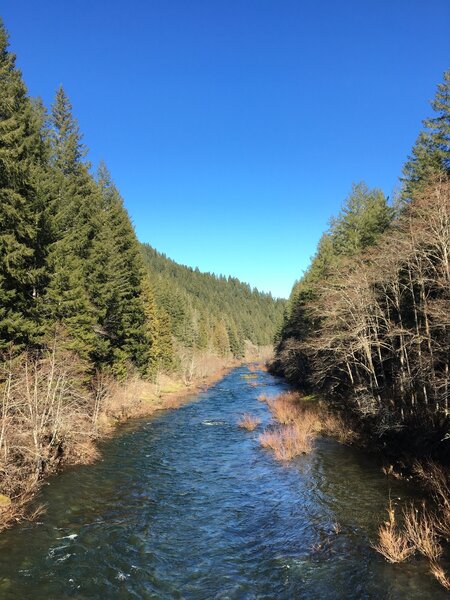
437, 479
288, 442
393, 544
437, 570
283, 408
303, 421
421, 531
248, 422
334, 426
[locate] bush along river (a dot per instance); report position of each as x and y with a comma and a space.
188, 505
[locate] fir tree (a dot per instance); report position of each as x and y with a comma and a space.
430, 156
74, 210
21, 154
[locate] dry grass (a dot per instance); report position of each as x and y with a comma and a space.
303, 421
248, 422
283, 408
173, 402
421, 531
335, 426
288, 442
438, 572
437, 479
393, 544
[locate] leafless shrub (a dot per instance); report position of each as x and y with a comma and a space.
421, 531
437, 479
335, 426
248, 422
289, 441
437, 570
283, 407
393, 544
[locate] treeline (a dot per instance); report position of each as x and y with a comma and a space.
72, 270
92, 325
368, 325
209, 311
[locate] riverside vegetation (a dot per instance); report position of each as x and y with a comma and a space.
94, 327
367, 328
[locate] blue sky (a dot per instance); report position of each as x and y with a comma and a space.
235, 128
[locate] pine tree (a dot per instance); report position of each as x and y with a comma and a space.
364, 217
115, 281
166, 351
430, 156
74, 210
21, 154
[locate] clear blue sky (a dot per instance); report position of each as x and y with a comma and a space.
235, 128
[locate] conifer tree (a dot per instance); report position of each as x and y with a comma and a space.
21, 154
115, 281
430, 155
363, 219
166, 352
75, 204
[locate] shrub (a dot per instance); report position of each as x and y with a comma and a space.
393, 544
248, 422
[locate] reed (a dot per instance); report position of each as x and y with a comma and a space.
248, 422
438, 572
393, 544
288, 442
421, 531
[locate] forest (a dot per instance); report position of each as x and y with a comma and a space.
84, 307
367, 325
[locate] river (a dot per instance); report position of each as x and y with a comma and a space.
185, 505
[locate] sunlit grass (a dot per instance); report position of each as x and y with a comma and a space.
248, 422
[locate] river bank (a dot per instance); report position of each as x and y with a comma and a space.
54, 426
186, 504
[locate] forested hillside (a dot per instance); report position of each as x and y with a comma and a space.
368, 324
205, 309
71, 268
82, 305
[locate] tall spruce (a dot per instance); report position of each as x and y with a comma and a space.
430, 156
21, 252
115, 283
75, 207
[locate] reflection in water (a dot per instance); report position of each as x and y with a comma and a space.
187, 505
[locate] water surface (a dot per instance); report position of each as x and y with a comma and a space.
186, 505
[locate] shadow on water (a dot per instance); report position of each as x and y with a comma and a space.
187, 505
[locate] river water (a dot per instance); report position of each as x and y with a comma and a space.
187, 505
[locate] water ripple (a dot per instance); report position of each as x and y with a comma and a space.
188, 506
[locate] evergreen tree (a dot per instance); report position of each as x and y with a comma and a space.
115, 282
75, 206
364, 217
21, 154
430, 155
166, 352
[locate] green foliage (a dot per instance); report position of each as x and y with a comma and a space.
367, 324
21, 155
210, 311
430, 156
71, 267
